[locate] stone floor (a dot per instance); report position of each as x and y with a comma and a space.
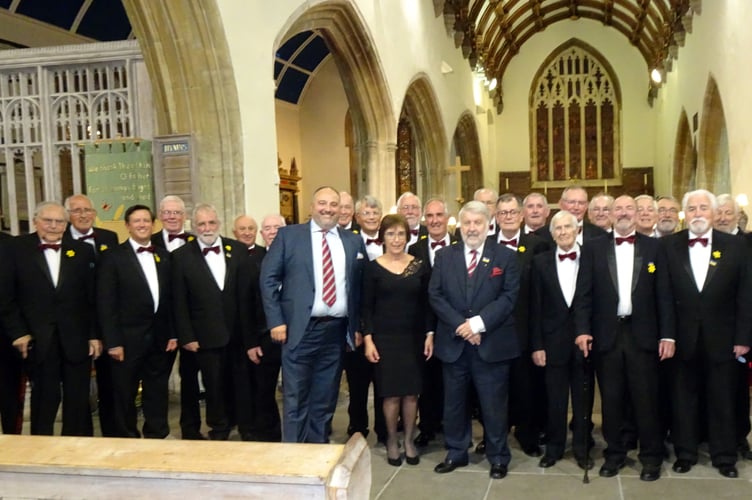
525, 480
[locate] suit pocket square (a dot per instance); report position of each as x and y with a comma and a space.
360, 256
496, 271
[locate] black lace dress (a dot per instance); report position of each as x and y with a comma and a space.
397, 315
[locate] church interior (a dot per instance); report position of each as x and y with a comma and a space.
381, 97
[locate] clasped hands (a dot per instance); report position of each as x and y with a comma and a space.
466, 332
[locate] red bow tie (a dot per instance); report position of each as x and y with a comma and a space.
49, 246
701, 241
214, 249
511, 243
182, 236
87, 237
373, 240
414, 232
150, 248
570, 255
626, 239
440, 243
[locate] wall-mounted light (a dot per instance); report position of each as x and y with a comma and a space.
656, 76
742, 200
492, 85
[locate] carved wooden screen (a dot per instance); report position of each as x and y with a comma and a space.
405, 157
575, 109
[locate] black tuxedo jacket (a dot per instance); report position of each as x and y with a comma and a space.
722, 310
491, 294
529, 246
420, 251
597, 295
35, 306
591, 231
125, 305
104, 239
253, 325
203, 312
157, 239
551, 320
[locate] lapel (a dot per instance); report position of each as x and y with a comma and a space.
713, 264
38, 257
458, 263
132, 258
553, 275
306, 247
637, 261
202, 266
163, 274
66, 264
611, 259
681, 247
349, 255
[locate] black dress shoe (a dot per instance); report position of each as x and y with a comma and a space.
585, 463
682, 466
650, 473
610, 468
547, 462
412, 460
532, 451
498, 471
448, 466
481, 448
728, 471
396, 462
423, 439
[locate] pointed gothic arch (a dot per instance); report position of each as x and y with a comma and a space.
713, 170
421, 160
467, 147
685, 159
371, 114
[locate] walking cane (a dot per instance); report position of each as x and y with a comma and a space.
585, 407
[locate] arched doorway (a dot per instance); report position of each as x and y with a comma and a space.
467, 146
685, 159
713, 171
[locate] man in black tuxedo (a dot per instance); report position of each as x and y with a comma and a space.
710, 277
574, 199
535, 213
50, 320
12, 381
134, 304
260, 359
431, 401
624, 312
552, 334
207, 273
527, 406
173, 236
81, 214
408, 205
599, 211
488, 197
475, 337
347, 212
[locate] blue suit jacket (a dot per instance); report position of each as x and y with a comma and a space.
491, 293
288, 284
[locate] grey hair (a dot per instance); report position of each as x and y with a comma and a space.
475, 207
704, 192
437, 200
724, 198
368, 201
561, 214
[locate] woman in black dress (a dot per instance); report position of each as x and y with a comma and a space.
395, 317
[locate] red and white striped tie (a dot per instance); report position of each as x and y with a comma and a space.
473, 263
330, 290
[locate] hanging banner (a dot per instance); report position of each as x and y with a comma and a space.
119, 174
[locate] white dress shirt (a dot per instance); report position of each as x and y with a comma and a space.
373, 250
567, 270
699, 258
77, 235
432, 251
53, 261
215, 261
149, 267
337, 250
175, 243
517, 235
624, 269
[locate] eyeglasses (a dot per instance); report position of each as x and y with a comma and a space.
599, 210
168, 213
81, 211
664, 210
370, 214
505, 213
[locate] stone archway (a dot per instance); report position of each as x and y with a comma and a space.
371, 114
194, 92
713, 172
467, 147
685, 159
429, 140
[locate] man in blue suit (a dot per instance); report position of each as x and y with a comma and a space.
473, 290
310, 285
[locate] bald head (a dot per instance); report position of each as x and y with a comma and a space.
245, 228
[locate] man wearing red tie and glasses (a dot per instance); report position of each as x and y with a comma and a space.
712, 290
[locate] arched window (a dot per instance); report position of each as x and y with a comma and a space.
575, 106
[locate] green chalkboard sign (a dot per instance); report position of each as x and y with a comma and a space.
118, 175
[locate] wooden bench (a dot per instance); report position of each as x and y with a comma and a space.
102, 468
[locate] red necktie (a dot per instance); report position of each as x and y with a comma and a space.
512, 243
701, 241
570, 255
473, 263
150, 248
414, 232
373, 240
182, 236
329, 294
214, 249
49, 246
440, 243
626, 239
87, 237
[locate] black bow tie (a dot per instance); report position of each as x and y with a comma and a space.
701, 241
414, 232
570, 255
182, 236
214, 249
440, 243
373, 240
626, 239
512, 242
49, 246
150, 248
90, 236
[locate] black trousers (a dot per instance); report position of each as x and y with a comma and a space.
561, 380
190, 410
215, 372
267, 423
527, 400
11, 390
431, 401
359, 374
105, 392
